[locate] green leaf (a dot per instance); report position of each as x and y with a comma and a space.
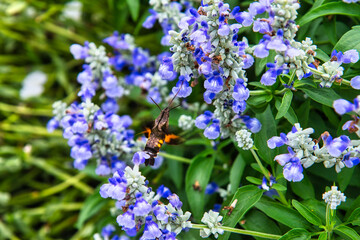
279, 187
268, 130
333, 8
285, 104
347, 231
306, 213
320, 54
290, 115
246, 197
259, 99
200, 170
331, 115
282, 214
258, 221
236, 172
92, 205
296, 234
344, 178
350, 40
259, 85
304, 188
354, 218
254, 180
324, 96
322, 236
134, 7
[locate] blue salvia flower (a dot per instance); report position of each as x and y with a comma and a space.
293, 169
339, 152
141, 205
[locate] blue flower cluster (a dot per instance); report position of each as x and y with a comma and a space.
141, 206
279, 31
305, 151
211, 124
168, 14
206, 45
93, 133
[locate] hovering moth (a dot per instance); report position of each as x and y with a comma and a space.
159, 134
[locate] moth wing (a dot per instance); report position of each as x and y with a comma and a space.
147, 132
173, 139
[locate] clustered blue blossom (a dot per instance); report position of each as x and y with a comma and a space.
279, 31
305, 151
212, 130
168, 14
206, 45
142, 69
342, 107
93, 133
142, 206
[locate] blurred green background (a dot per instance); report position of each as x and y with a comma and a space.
40, 193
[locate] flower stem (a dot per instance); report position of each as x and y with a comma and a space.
182, 159
263, 169
240, 231
258, 92
267, 175
328, 218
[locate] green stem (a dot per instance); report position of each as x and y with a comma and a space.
258, 92
176, 158
240, 231
328, 218
25, 110
182, 159
263, 169
291, 78
267, 175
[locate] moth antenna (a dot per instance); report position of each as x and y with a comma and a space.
176, 93
155, 103
175, 107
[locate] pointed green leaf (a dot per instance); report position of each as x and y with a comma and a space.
333, 8
354, 218
347, 231
246, 197
285, 104
134, 8
236, 172
324, 96
282, 214
322, 236
306, 213
296, 234
350, 40
200, 170
268, 130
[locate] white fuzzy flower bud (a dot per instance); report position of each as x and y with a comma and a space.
212, 220
186, 122
334, 197
244, 140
